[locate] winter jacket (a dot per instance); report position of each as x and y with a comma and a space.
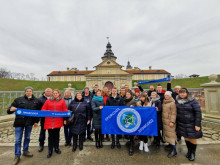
188, 116
169, 116
111, 101
24, 102
97, 113
52, 104
42, 100
129, 102
161, 95
81, 111
148, 92
88, 99
157, 103
68, 101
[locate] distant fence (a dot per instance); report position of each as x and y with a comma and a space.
7, 97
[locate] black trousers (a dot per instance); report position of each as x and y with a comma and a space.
117, 138
53, 138
143, 138
98, 135
42, 132
88, 130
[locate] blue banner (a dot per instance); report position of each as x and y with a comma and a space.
154, 81
39, 113
122, 120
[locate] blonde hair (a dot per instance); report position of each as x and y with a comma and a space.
56, 90
78, 93
67, 91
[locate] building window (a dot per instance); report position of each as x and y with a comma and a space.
142, 77
62, 78
149, 77
136, 77
108, 62
108, 71
68, 78
156, 76
75, 78
81, 78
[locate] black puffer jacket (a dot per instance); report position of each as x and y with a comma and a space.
97, 113
157, 103
80, 116
41, 102
118, 101
174, 94
188, 116
25, 103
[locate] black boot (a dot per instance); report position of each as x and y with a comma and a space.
189, 148
74, 143
131, 152
57, 150
113, 145
193, 152
172, 153
97, 144
41, 148
100, 144
118, 145
80, 142
101, 137
50, 152
168, 147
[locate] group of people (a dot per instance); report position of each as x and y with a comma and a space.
178, 115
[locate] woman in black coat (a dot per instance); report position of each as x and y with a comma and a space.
97, 106
188, 121
80, 109
155, 102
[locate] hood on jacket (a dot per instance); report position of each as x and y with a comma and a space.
75, 99
57, 99
189, 98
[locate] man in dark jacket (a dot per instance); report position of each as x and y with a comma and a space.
115, 100
176, 90
87, 96
46, 95
151, 89
24, 124
95, 89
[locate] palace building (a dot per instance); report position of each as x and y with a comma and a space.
108, 73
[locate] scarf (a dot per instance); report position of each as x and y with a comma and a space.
98, 98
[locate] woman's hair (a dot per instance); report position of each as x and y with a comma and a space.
56, 90
129, 92
184, 90
78, 93
98, 91
144, 94
67, 91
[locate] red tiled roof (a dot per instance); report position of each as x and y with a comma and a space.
78, 72
159, 71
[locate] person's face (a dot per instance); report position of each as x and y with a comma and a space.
126, 87
48, 93
79, 96
123, 91
167, 97
151, 88
67, 94
128, 95
86, 91
177, 90
96, 88
183, 95
55, 94
159, 88
114, 91
98, 94
137, 94
153, 96
105, 89
28, 92
142, 99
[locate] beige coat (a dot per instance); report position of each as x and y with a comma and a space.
168, 116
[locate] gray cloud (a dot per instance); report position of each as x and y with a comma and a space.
41, 36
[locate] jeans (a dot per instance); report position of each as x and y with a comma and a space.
18, 138
67, 133
42, 132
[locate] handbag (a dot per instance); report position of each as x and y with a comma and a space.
70, 120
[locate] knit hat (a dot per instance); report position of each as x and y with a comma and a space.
28, 88
137, 91
168, 93
177, 87
86, 88
154, 93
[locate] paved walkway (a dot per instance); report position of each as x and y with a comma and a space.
206, 155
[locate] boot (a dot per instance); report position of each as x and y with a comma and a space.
41, 148
16, 160
50, 152
113, 145
74, 143
131, 152
57, 150
146, 149
27, 154
189, 149
90, 138
97, 144
118, 145
101, 137
169, 147
193, 152
141, 147
80, 143
100, 144
172, 153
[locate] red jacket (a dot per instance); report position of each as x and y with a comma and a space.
54, 105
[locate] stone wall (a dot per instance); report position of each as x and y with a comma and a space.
211, 128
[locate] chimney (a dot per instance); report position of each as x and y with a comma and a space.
68, 68
86, 68
150, 67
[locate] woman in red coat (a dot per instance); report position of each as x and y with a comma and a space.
53, 124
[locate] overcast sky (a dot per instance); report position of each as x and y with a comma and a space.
180, 36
